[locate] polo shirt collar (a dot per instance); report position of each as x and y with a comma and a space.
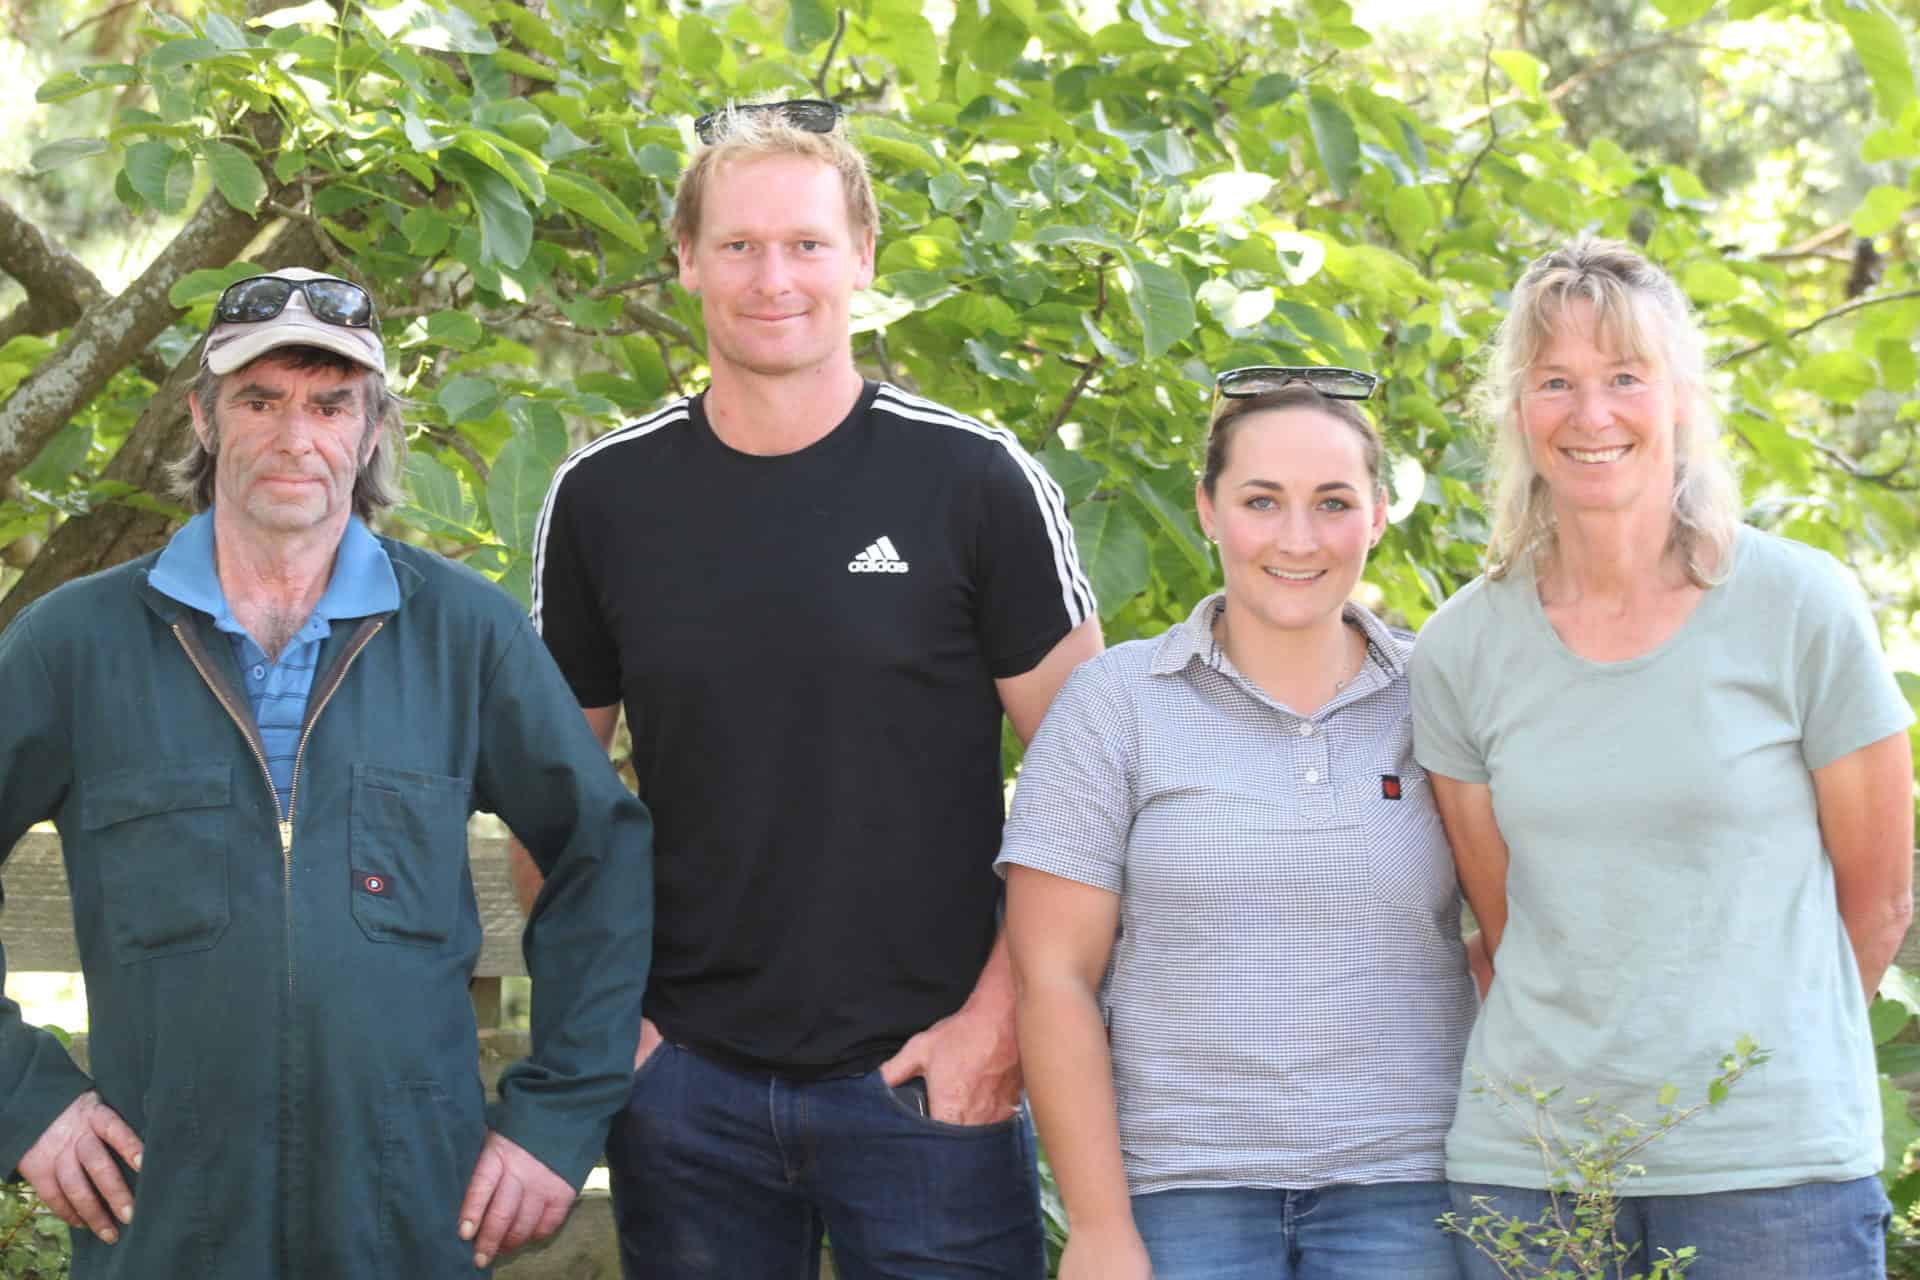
1192, 640
362, 583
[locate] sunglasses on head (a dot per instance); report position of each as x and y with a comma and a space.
260, 298
1262, 379
815, 115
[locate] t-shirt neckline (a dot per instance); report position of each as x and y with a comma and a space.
1694, 623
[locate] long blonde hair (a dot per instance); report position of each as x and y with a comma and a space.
1640, 312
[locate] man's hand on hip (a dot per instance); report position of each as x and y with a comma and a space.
71, 1166
512, 1199
971, 1063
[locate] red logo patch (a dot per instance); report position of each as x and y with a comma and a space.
373, 884
1390, 786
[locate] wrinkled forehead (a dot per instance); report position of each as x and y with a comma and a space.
298, 371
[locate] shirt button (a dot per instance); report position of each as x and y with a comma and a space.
1306, 729
259, 672
1313, 775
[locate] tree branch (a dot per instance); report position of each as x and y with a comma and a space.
1858, 304
58, 284
113, 332
833, 47
114, 531
1493, 130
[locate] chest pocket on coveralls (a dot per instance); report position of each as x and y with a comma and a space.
409, 853
158, 838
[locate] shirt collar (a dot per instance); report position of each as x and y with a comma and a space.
362, 584
1192, 640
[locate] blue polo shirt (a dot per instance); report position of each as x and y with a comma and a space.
362, 584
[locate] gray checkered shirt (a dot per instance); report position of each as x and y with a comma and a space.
1288, 999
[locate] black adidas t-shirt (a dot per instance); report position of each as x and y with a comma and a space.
806, 645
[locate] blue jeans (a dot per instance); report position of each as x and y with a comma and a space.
733, 1174
1832, 1230
1346, 1232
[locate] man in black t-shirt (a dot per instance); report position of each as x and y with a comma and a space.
815, 596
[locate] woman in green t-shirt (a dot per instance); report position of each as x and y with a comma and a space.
1675, 775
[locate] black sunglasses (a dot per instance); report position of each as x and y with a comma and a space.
815, 115
260, 298
1262, 379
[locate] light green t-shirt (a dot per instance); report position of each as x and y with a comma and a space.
1667, 889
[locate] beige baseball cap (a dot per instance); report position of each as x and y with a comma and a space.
232, 344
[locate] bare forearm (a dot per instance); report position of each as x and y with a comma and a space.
1063, 1044
1876, 928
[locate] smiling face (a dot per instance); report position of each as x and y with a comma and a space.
1598, 421
776, 263
288, 444
1295, 512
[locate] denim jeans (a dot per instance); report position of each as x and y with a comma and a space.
1829, 1230
733, 1174
1347, 1232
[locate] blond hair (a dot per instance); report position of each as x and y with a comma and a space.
1638, 312
755, 135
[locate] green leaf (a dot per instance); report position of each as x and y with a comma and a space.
1411, 215
1179, 523
161, 173
1679, 13
1163, 305
1669, 1094
1522, 68
1881, 45
1113, 547
996, 365
1710, 281
454, 329
178, 53
541, 425
1336, 140
237, 176
466, 398
1898, 1131
1269, 89
428, 232
1886, 1018
580, 194
809, 22
61, 457
66, 151
440, 504
516, 486
1881, 211
208, 283
1072, 470
506, 225
1840, 376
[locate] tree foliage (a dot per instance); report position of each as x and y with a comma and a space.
1082, 220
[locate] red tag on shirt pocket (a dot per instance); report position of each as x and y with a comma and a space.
1389, 786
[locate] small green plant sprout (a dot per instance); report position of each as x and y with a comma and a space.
1577, 1237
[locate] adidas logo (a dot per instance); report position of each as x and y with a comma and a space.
879, 557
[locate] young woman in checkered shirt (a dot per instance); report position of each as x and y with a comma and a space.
1232, 911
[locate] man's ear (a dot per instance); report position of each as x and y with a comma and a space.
689, 274
863, 279
202, 421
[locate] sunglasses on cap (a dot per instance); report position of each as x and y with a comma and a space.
340, 302
815, 115
1262, 379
